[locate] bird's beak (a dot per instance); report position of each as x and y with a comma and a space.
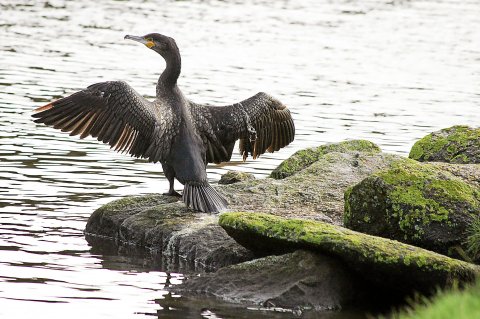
142, 40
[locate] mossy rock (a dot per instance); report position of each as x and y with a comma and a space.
457, 144
106, 220
304, 158
314, 193
382, 261
232, 177
186, 240
416, 203
161, 223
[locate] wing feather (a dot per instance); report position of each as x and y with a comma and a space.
261, 123
113, 113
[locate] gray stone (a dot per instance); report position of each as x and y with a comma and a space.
300, 279
306, 157
316, 192
187, 240
195, 240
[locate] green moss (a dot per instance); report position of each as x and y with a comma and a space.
351, 246
473, 239
455, 303
347, 209
405, 200
423, 148
304, 158
420, 194
457, 144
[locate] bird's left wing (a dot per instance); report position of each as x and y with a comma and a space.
112, 112
261, 123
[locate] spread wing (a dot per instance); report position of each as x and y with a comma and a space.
261, 123
112, 112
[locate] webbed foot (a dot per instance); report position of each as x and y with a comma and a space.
173, 193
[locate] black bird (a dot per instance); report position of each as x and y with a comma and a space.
183, 136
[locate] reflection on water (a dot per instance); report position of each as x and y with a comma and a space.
387, 71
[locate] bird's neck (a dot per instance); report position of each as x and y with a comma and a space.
168, 79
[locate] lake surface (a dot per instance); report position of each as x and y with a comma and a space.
387, 71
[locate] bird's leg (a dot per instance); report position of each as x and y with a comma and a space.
170, 175
171, 191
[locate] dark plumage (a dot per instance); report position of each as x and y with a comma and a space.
183, 136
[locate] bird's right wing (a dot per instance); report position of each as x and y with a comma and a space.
112, 112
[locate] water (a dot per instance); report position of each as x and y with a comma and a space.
383, 70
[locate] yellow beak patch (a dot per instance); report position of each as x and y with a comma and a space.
150, 44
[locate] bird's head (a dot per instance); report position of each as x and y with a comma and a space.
159, 43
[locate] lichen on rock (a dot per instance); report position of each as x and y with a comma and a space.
416, 203
380, 260
457, 144
304, 158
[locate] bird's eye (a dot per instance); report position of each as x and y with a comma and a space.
149, 39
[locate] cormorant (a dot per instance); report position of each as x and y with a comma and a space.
183, 136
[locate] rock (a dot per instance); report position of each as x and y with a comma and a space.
304, 158
383, 262
300, 279
232, 177
457, 144
469, 173
201, 306
192, 240
188, 240
419, 204
316, 192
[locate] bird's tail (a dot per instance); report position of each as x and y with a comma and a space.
203, 197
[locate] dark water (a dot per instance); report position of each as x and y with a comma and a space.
387, 71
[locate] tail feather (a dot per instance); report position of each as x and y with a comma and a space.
187, 199
203, 197
210, 192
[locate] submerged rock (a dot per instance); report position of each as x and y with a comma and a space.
232, 177
188, 240
456, 144
300, 279
416, 203
384, 262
